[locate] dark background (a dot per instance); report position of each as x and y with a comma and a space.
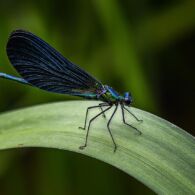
143, 46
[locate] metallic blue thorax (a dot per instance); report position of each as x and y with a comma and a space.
110, 95
112, 92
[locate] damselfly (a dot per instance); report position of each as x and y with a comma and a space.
42, 66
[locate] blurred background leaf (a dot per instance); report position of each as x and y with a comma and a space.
146, 47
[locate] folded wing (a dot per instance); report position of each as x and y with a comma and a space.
43, 67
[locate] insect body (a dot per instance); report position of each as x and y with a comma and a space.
42, 66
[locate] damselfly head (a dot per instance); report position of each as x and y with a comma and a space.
128, 98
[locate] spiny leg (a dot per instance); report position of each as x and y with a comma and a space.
108, 126
86, 138
139, 120
123, 115
91, 107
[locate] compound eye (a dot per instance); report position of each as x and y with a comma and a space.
127, 98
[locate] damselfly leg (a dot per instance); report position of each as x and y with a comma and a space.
108, 126
91, 120
91, 107
139, 120
102, 110
124, 121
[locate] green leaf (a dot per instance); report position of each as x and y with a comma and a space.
163, 157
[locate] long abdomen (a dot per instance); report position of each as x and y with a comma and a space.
13, 78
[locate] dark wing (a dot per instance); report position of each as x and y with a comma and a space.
42, 66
